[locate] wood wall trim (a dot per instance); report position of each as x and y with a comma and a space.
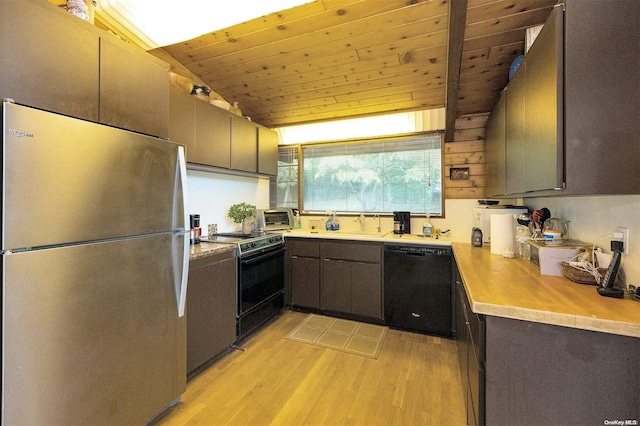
457, 21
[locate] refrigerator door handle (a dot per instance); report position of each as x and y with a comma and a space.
182, 296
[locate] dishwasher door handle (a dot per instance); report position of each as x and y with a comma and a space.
413, 253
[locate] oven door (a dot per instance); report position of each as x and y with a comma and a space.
260, 288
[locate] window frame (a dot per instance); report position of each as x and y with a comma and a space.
409, 137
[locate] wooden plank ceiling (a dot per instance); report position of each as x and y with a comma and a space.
335, 59
342, 58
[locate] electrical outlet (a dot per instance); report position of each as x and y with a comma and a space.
625, 238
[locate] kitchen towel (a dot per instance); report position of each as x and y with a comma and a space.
503, 233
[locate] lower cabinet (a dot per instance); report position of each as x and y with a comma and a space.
470, 338
337, 276
351, 278
304, 272
352, 287
523, 372
211, 308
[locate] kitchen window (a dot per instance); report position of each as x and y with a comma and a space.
372, 176
286, 184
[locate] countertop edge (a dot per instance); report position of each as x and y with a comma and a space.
204, 249
557, 318
503, 300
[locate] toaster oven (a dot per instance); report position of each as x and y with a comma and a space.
274, 219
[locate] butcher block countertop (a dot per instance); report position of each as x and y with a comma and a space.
514, 288
203, 249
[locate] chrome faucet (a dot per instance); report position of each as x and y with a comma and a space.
360, 219
378, 216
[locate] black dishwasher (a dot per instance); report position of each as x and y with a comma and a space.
418, 288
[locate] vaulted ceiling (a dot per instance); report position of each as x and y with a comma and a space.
342, 58
334, 59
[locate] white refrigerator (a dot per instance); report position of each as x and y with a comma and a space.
94, 253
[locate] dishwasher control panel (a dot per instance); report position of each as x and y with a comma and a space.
419, 249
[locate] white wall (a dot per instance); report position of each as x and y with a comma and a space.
592, 218
211, 195
458, 219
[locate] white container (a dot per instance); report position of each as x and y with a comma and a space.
547, 258
503, 233
552, 237
482, 217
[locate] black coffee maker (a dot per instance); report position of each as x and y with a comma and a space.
401, 222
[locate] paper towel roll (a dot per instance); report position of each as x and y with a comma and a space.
503, 237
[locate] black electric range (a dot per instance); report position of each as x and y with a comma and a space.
260, 279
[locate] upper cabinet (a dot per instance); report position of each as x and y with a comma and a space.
203, 128
134, 89
213, 142
267, 151
516, 149
49, 59
217, 138
570, 121
495, 154
244, 144
56, 62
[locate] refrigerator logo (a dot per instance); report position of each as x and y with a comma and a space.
20, 133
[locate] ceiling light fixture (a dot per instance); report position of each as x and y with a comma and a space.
161, 23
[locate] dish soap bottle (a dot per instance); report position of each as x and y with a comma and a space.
427, 227
297, 224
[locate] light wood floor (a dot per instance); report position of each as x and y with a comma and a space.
415, 381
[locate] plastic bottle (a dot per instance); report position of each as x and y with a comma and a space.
335, 225
297, 224
427, 227
329, 223
332, 223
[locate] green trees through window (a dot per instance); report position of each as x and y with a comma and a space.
369, 176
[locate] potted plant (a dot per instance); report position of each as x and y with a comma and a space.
242, 213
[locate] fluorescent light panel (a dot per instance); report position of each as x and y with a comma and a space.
163, 22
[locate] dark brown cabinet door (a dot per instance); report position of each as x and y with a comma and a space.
543, 107
244, 144
336, 285
267, 151
211, 314
212, 135
495, 150
515, 132
366, 289
134, 89
182, 121
305, 282
50, 59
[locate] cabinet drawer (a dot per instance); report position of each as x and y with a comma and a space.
303, 248
353, 251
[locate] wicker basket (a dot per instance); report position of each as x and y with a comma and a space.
580, 276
